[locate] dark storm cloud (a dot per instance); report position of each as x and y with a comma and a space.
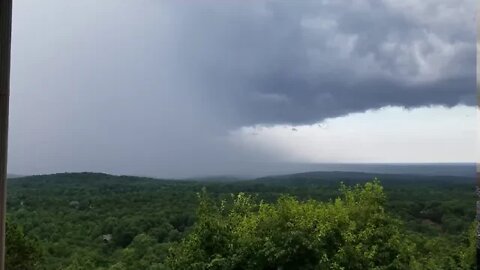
153, 87
300, 62
326, 99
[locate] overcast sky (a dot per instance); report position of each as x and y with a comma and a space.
183, 88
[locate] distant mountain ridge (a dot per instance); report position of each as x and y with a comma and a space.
305, 178
218, 178
14, 176
348, 177
284, 168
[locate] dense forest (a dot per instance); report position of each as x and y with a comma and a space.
323, 220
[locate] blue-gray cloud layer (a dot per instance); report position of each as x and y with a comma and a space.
274, 62
156, 81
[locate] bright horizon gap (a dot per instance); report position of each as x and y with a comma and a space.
386, 135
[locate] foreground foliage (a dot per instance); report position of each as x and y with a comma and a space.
22, 253
99, 221
351, 232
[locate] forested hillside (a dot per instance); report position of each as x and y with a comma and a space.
99, 221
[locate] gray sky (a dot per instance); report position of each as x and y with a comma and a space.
180, 88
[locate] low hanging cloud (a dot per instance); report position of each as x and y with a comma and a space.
268, 62
301, 62
154, 87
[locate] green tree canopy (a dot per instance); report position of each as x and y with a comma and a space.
22, 253
350, 232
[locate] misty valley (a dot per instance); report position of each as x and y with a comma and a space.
318, 220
